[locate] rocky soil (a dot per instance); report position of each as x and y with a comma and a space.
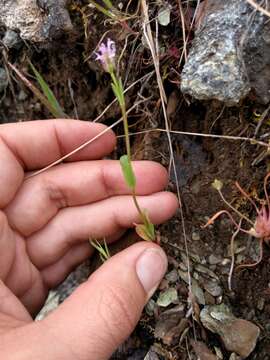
214, 62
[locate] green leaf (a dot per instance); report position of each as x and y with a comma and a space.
128, 172
142, 232
115, 90
55, 107
146, 230
149, 227
103, 250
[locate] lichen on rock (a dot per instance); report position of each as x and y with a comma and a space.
222, 61
36, 21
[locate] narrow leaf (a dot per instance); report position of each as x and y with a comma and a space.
58, 112
128, 172
142, 232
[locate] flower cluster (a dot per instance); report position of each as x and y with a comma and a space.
106, 55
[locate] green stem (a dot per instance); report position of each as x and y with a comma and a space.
119, 93
125, 122
138, 206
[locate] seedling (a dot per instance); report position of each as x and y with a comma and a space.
260, 229
106, 55
102, 249
46, 96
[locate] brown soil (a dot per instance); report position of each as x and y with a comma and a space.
68, 67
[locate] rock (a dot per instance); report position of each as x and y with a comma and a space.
3, 79
234, 357
167, 297
230, 54
212, 287
197, 292
151, 355
238, 335
12, 39
204, 270
170, 325
260, 303
195, 236
50, 305
214, 260
150, 307
202, 351
36, 21
172, 276
184, 276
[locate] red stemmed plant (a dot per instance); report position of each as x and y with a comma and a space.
260, 229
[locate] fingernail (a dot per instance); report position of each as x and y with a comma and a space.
151, 267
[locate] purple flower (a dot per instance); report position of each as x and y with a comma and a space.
106, 55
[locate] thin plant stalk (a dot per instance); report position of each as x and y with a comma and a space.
147, 231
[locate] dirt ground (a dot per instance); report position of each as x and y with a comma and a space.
83, 90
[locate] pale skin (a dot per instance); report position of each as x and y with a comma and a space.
45, 224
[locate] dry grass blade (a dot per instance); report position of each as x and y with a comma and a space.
85, 143
232, 255
259, 7
154, 48
213, 136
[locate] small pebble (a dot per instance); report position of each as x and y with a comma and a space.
195, 236
172, 276
167, 297
12, 39
260, 303
213, 259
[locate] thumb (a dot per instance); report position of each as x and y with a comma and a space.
103, 311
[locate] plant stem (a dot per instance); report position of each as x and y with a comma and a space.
138, 206
125, 122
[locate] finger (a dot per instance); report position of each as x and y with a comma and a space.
32, 145
37, 144
7, 247
40, 197
103, 311
11, 306
102, 219
54, 274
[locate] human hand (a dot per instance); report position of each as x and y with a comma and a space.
45, 224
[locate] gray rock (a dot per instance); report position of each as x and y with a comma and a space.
12, 39
238, 335
212, 287
36, 21
172, 276
197, 292
214, 260
230, 54
167, 297
151, 355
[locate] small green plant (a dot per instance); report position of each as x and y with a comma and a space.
107, 9
57, 110
46, 96
102, 249
106, 55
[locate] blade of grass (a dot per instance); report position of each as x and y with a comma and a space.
42, 98
48, 93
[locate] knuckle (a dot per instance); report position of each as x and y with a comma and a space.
55, 194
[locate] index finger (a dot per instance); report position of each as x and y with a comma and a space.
32, 145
